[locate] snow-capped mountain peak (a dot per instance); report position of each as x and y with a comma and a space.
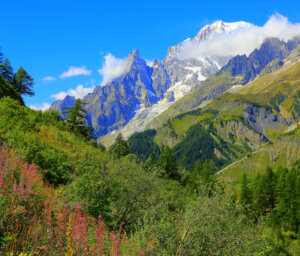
220, 27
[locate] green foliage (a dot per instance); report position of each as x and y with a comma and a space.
167, 162
276, 101
142, 144
264, 193
198, 144
125, 193
23, 82
43, 138
202, 174
246, 195
119, 148
277, 194
75, 118
150, 163
213, 225
7, 71
7, 90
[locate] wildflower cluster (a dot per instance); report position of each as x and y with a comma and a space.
35, 220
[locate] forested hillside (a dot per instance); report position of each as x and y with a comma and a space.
153, 203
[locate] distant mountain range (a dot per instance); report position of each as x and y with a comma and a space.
146, 97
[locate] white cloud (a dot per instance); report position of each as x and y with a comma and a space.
243, 41
78, 93
49, 79
114, 67
76, 71
44, 106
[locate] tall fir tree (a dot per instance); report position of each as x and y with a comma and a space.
75, 118
7, 71
150, 163
246, 194
202, 179
167, 162
119, 148
23, 82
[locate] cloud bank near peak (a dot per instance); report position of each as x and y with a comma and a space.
243, 41
114, 67
79, 92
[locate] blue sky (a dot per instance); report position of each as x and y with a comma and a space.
49, 37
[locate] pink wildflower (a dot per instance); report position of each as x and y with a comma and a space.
47, 203
82, 219
78, 206
15, 188
22, 192
99, 217
142, 253
5, 186
59, 246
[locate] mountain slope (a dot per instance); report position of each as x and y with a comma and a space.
261, 116
239, 71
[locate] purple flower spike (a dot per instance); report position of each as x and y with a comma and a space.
15, 188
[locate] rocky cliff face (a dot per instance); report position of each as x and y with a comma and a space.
251, 66
144, 92
111, 106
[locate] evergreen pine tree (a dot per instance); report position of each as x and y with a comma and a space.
167, 162
75, 118
298, 201
6, 70
150, 163
246, 195
265, 192
23, 82
280, 195
119, 148
291, 201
